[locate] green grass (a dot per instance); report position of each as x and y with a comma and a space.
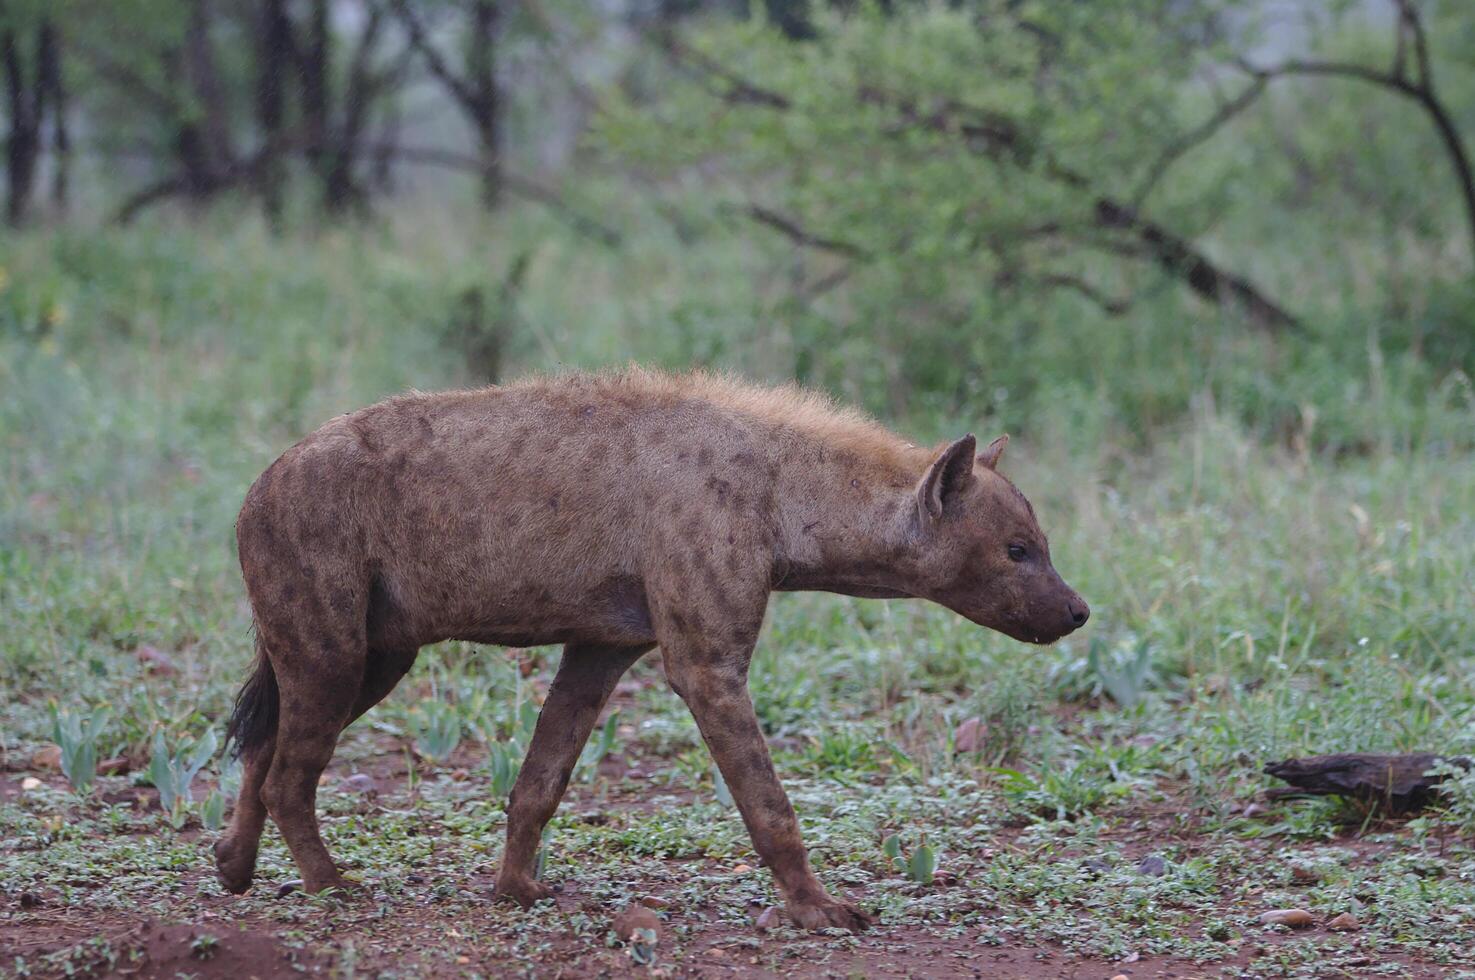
1252, 599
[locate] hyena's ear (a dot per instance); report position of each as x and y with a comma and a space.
949, 473
991, 453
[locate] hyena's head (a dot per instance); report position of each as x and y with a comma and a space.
980, 552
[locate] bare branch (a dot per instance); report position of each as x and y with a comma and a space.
739, 90
420, 41
1196, 137
1108, 304
799, 235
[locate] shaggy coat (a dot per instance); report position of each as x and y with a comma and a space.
608, 513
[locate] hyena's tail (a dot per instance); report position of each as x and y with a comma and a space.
253, 720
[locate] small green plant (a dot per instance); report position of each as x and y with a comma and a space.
77, 733
204, 946
505, 752
601, 745
919, 867
1124, 674
173, 772
720, 790
1458, 788
504, 762
212, 810
1060, 793
436, 726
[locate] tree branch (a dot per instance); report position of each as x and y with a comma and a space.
1421, 91
799, 235
1196, 137
420, 41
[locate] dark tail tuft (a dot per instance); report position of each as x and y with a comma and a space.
253, 720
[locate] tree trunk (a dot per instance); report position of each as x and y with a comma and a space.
274, 46
486, 107
341, 190
206, 90
54, 93
312, 71
23, 147
1396, 783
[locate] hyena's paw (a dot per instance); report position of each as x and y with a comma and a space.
524, 891
234, 865
829, 913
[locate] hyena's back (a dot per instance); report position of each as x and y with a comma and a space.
522, 515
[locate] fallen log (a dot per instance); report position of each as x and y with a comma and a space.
1397, 783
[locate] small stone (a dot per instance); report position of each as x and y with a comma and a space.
1098, 866
1153, 866
359, 782
742, 869
1121, 976
637, 923
655, 902
1294, 918
30, 783
767, 919
118, 766
155, 661
1346, 922
460, 776
288, 887
28, 900
1303, 875
1252, 810
46, 757
970, 735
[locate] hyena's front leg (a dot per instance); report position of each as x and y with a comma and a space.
711, 677
586, 677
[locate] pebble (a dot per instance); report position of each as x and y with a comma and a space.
767, 919
1295, 918
359, 782
655, 902
46, 757
1346, 922
288, 887
28, 900
1304, 875
30, 782
119, 766
155, 661
1153, 866
742, 869
633, 920
970, 735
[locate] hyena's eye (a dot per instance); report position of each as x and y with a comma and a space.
1017, 552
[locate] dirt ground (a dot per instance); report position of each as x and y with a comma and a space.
443, 923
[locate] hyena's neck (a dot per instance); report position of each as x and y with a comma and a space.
843, 516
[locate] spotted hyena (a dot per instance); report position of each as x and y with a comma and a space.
609, 513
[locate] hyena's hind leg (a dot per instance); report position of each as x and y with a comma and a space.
319, 680
235, 852
252, 735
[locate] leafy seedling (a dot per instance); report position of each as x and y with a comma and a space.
173, 772
919, 867
437, 729
77, 733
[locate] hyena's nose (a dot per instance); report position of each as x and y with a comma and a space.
1079, 611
